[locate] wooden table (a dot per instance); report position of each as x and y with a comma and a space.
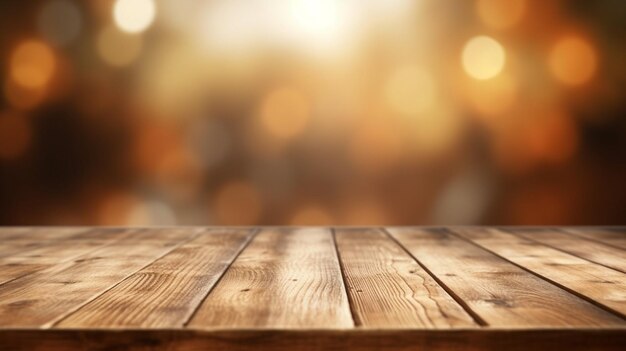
283, 288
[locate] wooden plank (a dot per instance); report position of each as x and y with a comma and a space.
38, 257
285, 278
613, 237
501, 293
598, 283
24, 238
590, 250
39, 299
315, 340
165, 293
388, 289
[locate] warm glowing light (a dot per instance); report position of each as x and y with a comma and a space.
15, 136
410, 90
134, 16
285, 113
573, 60
32, 64
60, 22
500, 14
364, 212
318, 27
118, 48
237, 202
312, 215
483, 57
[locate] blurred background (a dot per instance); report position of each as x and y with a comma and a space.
348, 112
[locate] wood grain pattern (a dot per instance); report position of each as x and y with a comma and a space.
388, 289
28, 259
498, 291
285, 288
590, 250
598, 283
608, 237
40, 298
166, 292
285, 278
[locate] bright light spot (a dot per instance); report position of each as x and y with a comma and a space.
15, 136
319, 27
134, 16
320, 23
573, 60
32, 64
237, 203
499, 14
285, 113
410, 90
60, 22
118, 48
483, 57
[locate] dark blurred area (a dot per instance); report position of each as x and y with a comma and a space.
397, 112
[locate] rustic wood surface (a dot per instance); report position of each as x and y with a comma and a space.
312, 288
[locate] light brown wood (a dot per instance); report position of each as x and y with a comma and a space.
593, 251
498, 291
598, 283
285, 288
166, 292
31, 258
609, 237
285, 278
39, 299
388, 289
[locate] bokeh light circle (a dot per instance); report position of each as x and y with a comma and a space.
134, 16
60, 22
573, 60
483, 57
32, 64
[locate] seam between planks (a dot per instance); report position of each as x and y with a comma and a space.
252, 233
578, 236
356, 320
475, 316
113, 241
540, 276
520, 235
65, 315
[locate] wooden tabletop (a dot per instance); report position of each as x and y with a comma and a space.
306, 288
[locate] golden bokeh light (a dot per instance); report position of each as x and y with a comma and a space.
285, 113
410, 90
118, 48
15, 135
495, 96
32, 64
500, 14
573, 60
237, 202
312, 215
483, 57
134, 16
